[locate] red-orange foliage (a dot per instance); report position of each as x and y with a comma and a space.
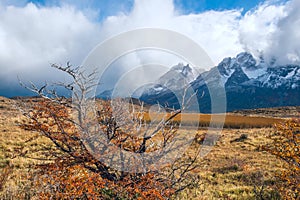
78, 173
59, 181
286, 146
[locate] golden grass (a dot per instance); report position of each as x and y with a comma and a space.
229, 120
230, 171
19, 149
233, 169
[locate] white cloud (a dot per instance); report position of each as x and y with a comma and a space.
270, 28
33, 36
216, 32
257, 27
286, 40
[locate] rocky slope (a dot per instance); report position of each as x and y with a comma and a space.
247, 83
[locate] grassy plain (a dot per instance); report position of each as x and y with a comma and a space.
236, 168
229, 120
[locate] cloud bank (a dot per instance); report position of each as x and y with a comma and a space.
33, 36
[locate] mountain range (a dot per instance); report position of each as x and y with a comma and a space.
247, 83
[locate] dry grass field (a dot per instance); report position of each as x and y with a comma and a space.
279, 112
236, 168
229, 120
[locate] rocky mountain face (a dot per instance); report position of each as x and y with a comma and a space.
247, 83
178, 77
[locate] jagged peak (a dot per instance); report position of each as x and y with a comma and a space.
246, 58
181, 67
243, 60
225, 62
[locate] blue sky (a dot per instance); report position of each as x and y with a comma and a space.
188, 5
113, 7
202, 5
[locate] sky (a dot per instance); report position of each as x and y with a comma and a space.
34, 34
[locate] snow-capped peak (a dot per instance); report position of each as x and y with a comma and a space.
244, 69
179, 76
248, 84
186, 70
246, 60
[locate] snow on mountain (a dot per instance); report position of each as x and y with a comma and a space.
281, 76
248, 83
244, 70
178, 77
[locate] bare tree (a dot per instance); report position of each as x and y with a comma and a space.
85, 143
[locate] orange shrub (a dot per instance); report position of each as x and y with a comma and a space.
286, 146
